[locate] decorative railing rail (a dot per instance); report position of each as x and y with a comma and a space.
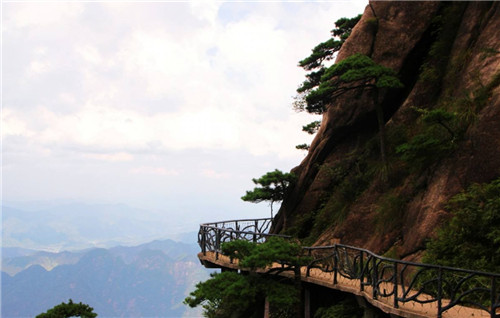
212, 235
398, 280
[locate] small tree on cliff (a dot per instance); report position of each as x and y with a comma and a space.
324, 51
273, 186
314, 63
357, 71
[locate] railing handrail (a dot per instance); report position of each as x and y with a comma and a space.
212, 235
237, 220
212, 225
399, 261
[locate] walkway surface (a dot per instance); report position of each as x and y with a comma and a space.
316, 276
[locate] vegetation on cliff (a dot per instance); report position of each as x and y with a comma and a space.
316, 65
471, 239
440, 131
231, 293
272, 187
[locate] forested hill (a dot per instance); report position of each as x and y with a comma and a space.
149, 280
442, 131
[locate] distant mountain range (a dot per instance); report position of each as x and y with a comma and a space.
72, 226
148, 280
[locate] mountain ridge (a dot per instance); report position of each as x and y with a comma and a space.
150, 279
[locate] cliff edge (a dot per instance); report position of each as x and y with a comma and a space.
447, 55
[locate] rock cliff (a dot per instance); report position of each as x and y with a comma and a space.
447, 55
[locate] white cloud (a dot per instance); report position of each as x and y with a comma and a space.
33, 14
212, 174
112, 157
14, 125
205, 9
114, 83
161, 171
90, 54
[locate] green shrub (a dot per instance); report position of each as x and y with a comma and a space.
472, 237
389, 212
423, 150
347, 308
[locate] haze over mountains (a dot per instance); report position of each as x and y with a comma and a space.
55, 253
149, 280
73, 225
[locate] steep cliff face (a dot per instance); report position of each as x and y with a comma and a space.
448, 57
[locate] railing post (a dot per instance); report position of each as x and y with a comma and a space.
493, 297
255, 231
395, 283
362, 271
374, 278
203, 240
440, 291
335, 264
217, 243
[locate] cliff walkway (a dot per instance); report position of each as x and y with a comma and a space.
397, 287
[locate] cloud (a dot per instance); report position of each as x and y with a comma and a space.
112, 157
161, 171
212, 174
120, 89
25, 15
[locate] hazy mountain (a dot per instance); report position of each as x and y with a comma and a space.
149, 280
72, 226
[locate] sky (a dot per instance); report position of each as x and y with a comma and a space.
166, 106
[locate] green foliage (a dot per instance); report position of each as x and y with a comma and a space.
445, 25
313, 79
373, 22
438, 116
70, 309
389, 212
344, 27
441, 117
468, 106
325, 50
316, 100
273, 186
347, 308
357, 71
483, 94
471, 239
275, 249
322, 52
359, 67
312, 127
436, 141
238, 249
229, 292
423, 150
348, 179
303, 147
224, 294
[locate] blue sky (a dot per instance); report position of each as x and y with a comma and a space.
167, 106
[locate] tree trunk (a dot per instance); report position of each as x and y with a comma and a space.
382, 137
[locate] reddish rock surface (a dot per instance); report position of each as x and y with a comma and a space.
401, 40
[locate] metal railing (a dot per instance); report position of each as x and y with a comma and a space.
212, 235
398, 280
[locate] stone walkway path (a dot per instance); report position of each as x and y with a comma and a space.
386, 304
